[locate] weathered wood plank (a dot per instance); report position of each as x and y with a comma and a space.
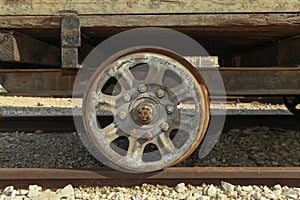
36, 82
280, 53
51, 7
179, 20
18, 47
237, 81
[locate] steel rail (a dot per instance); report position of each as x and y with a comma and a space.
56, 178
66, 123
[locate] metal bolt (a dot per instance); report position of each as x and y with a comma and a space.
142, 88
169, 109
148, 135
122, 115
160, 93
126, 98
164, 126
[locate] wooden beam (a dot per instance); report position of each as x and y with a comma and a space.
51, 7
18, 47
178, 20
280, 53
237, 81
37, 82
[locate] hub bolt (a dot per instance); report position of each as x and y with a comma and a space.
160, 93
164, 126
142, 88
169, 109
122, 115
126, 98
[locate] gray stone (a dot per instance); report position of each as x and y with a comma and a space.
8, 191
227, 187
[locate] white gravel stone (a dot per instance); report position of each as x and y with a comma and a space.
292, 195
277, 187
211, 191
180, 187
165, 192
221, 196
151, 192
204, 198
227, 186
247, 188
34, 191
8, 191
66, 193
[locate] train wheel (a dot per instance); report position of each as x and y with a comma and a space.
145, 109
293, 104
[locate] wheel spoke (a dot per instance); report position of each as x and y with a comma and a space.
186, 109
155, 74
111, 132
181, 91
165, 144
126, 80
135, 149
106, 102
184, 122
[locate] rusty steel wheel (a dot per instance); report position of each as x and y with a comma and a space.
292, 103
144, 109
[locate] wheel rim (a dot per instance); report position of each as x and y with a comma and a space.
293, 104
153, 97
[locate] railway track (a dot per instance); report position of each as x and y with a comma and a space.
66, 123
56, 178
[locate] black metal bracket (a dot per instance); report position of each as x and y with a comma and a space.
70, 40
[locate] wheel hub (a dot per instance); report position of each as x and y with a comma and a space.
145, 112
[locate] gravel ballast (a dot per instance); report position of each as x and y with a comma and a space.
152, 192
257, 146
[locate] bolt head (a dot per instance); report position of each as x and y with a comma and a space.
164, 126
160, 93
126, 98
169, 109
122, 115
142, 88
